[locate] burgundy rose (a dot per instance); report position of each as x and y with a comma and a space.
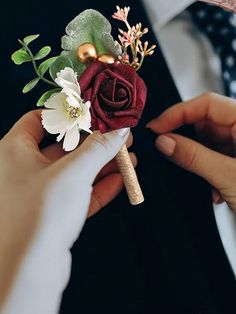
117, 95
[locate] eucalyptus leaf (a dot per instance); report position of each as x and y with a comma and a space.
45, 65
28, 39
20, 56
89, 26
46, 96
42, 53
29, 86
59, 64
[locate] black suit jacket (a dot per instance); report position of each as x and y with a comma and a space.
164, 256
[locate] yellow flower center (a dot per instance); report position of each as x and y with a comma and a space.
72, 112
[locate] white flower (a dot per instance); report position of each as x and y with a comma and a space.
68, 113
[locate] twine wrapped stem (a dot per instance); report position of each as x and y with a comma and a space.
129, 176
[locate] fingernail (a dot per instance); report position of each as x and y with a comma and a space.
166, 145
123, 132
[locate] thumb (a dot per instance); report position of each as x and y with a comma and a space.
92, 155
216, 168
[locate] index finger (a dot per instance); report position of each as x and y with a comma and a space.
212, 107
30, 126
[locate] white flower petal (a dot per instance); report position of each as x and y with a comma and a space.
55, 101
54, 121
86, 129
60, 119
88, 104
67, 74
53, 117
71, 139
84, 122
71, 89
67, 79
74, 101
86, 107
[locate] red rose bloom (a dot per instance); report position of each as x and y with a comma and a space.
117, 95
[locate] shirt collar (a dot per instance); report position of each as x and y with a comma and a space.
163, 11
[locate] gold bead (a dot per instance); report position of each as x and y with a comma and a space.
106, 58
86, 52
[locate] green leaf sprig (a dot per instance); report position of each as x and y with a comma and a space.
25, 55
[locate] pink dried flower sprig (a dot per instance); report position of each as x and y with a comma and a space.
121, 14
124, 59
132, 39
127, 38
145, 51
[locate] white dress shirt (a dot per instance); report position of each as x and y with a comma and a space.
196, 69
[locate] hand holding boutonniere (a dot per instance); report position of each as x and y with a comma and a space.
95, 83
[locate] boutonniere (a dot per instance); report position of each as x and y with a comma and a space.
94, 85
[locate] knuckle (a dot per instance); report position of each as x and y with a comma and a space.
33, 114
209, 96
191, 158
102, 144
101, 141
13, 144
13, 154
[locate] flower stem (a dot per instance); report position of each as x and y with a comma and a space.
36, 69
48, 81
127, 25
140, 63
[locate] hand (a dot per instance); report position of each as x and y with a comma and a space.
45, 199
214, 118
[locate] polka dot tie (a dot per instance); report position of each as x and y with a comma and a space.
220, 28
